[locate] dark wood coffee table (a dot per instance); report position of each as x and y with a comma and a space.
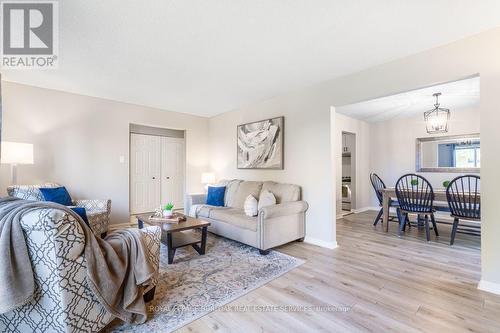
174, 238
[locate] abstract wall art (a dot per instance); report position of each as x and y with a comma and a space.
261, 144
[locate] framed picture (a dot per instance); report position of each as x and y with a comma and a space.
260, 144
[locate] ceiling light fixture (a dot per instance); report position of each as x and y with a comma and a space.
436, 120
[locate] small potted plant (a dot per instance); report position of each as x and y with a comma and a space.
414, 182
446, 183
167, 210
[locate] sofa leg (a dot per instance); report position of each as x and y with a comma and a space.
300, 239
104, 234
264, 252
148, 297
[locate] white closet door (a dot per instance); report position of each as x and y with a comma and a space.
145, 173
172, 171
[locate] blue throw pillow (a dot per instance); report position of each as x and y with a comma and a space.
215, 196
57, 194
82, 212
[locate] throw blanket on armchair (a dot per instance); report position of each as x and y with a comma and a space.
118, 267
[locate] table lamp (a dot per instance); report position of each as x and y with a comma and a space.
15, 153
207, 178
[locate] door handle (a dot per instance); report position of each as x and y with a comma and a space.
154, 177
168, 177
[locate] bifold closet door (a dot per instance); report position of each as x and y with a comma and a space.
172, 171
145, 173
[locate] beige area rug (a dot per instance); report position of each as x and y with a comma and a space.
195, 285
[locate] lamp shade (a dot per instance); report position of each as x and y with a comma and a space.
207, 178
17, 153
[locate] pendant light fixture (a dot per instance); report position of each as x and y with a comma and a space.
436, 120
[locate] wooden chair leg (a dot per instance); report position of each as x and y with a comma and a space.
150, 295
408, 220
434, 225
427, 230
402, 221
379, 215
454, 230
405, 222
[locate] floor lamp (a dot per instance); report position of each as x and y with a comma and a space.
15, 153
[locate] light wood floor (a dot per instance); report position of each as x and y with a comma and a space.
390, 283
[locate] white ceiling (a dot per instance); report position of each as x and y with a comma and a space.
456, 96
208, 57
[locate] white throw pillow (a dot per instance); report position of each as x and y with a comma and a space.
250, 206
266, 199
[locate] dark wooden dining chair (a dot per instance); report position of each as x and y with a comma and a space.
415, 195
378, 185
463, 194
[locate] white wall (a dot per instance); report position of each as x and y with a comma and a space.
307, 155
78, 140
308, 128
308, 123
360, 181
393, 145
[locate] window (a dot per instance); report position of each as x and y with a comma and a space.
467, 156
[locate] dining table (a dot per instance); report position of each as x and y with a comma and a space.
389, 193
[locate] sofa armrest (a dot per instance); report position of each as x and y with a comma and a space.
194, 199
94, 205
283, 209
197, 198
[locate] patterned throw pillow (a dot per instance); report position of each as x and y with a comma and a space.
266, 199
250, 206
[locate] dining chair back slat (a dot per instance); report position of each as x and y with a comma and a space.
415, 194
463, 194
378, 186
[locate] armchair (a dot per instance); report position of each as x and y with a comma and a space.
62, 301
98, 211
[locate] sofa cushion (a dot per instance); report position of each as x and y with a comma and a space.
245, 189
203, 210
283, 192
235, 217
231, 188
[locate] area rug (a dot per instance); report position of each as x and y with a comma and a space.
195, 285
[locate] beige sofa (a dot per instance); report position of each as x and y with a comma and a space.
273, 226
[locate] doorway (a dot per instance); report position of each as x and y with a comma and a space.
157, 168
348, 185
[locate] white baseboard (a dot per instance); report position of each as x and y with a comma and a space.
490, 287
364, 209
322, 243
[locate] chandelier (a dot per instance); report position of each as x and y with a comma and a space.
436, 120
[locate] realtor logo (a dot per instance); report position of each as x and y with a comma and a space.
29, 34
